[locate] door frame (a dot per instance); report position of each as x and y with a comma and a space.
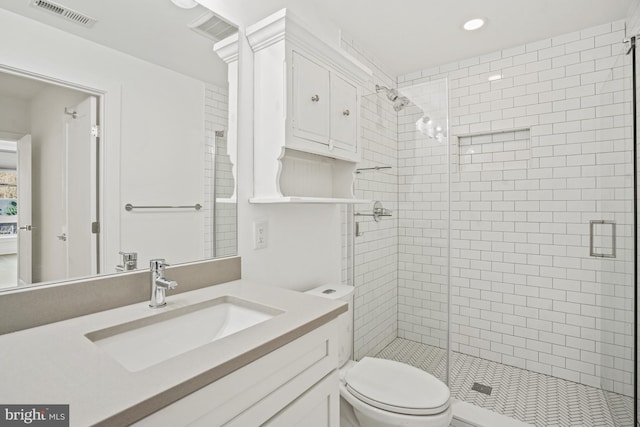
108, 189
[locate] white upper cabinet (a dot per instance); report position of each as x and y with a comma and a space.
344, 115
310, 116
306, 113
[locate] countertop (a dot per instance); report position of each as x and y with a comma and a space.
58, 364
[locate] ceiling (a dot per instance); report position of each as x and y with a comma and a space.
404, 35
410, 35
153, 30
17, 87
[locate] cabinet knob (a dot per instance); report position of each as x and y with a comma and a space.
346, 113
315, 98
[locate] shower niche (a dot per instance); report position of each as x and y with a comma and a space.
306, 114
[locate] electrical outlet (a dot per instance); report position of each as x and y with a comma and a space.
259, 234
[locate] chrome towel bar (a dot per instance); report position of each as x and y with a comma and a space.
129, 207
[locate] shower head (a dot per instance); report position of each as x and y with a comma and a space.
399, 102
392, 94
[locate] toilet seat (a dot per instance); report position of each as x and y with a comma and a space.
397, 387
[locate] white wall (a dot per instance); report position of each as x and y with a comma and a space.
375, 262
304, 241
154, 133
49, 215
14, 117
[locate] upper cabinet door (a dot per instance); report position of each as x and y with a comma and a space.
344, 114
310, 100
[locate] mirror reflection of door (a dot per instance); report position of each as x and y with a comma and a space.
24, 197
55, 184
81, 189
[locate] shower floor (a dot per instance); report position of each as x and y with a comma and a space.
534, 398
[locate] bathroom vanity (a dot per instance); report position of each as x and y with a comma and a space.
237, 353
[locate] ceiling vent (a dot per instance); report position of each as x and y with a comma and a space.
64, 12
213, 27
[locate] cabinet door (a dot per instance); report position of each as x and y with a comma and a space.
310, 100
344, 114
318, 407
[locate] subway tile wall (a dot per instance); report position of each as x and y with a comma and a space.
525, 291
373, 266
218, 168
633, 28
423, 285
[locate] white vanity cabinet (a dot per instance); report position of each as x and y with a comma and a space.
296, 384
306, 114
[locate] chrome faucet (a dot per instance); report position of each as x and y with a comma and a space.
129, 261
159, 283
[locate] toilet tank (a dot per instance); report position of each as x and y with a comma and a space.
341, 293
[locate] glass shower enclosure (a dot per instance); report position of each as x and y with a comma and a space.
508, 266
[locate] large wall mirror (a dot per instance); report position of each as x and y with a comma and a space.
115, 145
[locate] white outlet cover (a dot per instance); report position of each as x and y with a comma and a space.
260, 234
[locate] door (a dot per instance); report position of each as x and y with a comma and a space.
344, 106
24, 211
81, 139
310, 100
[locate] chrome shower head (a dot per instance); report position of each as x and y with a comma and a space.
399, 102
392, 94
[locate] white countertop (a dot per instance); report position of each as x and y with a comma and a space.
57, 364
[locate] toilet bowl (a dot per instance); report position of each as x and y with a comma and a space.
383, 393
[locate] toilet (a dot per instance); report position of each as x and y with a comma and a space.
383, 393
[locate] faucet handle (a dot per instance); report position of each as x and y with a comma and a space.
166, 283
129, 256
157, 264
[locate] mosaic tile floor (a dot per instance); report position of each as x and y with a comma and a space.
537, 399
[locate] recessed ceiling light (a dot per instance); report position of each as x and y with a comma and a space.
185, 4
473, 24
495, 77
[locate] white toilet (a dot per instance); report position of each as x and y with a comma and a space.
383, 393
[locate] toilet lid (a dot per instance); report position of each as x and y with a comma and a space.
397, 387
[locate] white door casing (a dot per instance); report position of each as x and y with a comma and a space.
25, 243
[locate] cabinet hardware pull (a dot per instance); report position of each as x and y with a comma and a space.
315, 98
346, 113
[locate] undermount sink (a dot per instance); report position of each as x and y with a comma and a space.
142, 343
